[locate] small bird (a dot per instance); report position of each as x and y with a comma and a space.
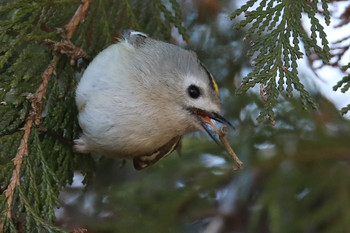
138, 97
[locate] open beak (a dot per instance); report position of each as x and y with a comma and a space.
206, 121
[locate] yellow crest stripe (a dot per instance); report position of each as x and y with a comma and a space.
214, 83
211, 79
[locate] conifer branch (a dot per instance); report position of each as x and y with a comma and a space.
65, 46
79, 16
275, 31
17, 161
34, 115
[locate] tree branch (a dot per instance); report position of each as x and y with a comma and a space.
222, 136
34, 115
17, 161
79, 16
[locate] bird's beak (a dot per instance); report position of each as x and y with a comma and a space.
206, 118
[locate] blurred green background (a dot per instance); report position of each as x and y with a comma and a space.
296, 174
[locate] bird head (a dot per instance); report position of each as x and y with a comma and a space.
179, 84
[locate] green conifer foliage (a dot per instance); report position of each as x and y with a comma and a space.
38, 115
275, 33
344, 86
39, 65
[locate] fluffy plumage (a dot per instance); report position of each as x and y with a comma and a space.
133, 99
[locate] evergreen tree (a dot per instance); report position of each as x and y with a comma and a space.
296, 174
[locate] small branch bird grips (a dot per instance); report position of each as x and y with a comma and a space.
222, 136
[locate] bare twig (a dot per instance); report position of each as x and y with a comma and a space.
78, 17
55, 135
341, 40
21, 152
66, 47
222, 136
79, 230
263, 92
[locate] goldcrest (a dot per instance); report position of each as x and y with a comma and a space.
137, 98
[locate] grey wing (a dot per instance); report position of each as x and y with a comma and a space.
144, 161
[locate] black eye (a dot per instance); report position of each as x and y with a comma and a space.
193, 91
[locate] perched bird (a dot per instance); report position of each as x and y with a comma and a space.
138, 97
